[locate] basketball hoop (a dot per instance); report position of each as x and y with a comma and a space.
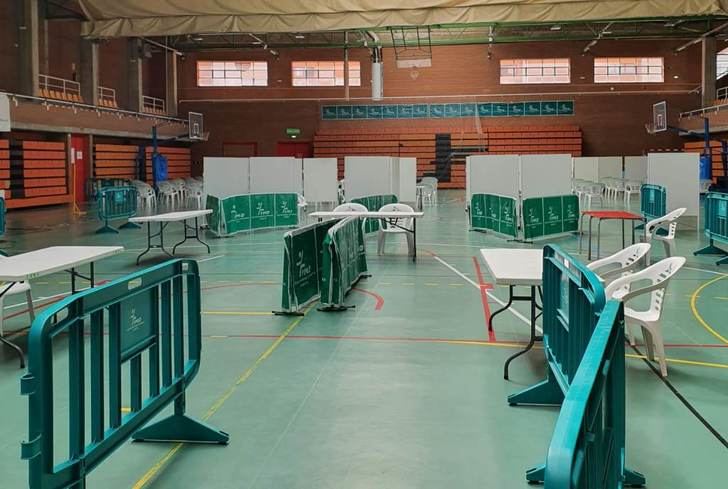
650, 128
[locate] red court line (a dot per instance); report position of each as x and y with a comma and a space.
380, 300
484, 297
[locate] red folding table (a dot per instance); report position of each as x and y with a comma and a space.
606, 216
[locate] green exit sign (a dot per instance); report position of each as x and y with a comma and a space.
293, 132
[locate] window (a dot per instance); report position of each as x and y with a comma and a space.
629, 70
324, 73
232, 74
536, 71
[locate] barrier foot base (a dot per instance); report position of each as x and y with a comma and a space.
181, 428
710, 250
130, 225
536, 475
287, 313
546, 393
335, 308
107, 229
722, 261
633, 478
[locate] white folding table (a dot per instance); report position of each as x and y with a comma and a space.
391, 218
516, 267
35, 264
164, 220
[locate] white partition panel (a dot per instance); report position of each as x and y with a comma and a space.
226, 176
368, 175
491, 174
407, 179
586, 169
680, 175
635, 168
276, 174
320, 183
610, 167
545, 175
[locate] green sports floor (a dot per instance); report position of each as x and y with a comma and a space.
405, 390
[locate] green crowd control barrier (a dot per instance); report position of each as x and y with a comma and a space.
303, 251
116, 203
94, 185
495, 213
373, 203
344, 262
573, 302
135, 340
549, 216
653, 201
716, 225
587, 449
240, 213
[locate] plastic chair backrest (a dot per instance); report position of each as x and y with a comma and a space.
658, 275
663, 221
406, 222
621, 262
351, 207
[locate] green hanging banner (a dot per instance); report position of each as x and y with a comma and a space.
239, 213
548, 216
495, 213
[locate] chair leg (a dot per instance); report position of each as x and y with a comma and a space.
669, 247
31, 310
630, 333
647, 339
380, 242
2, 314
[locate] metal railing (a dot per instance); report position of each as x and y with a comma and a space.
153, 104
59, 87
722, 94
107, 97
116, 203
136, 340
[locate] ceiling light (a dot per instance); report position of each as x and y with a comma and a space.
556, 27
274, 52
300, 36
197, 38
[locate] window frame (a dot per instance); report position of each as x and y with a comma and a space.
226, 69
516, 71
618, 69
335, 67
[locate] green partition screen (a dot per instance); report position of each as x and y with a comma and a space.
547, 216
495, 213
249, 212
302, 265
344, 262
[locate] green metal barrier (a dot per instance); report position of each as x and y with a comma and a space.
573, 302
344, 262
653, 201
240, 213
549, 216
495, 213
303, 253
716, 225
587, 449
116, 203
374, 203
94, 185
142, 320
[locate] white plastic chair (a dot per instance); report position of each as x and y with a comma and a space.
16, 288
591, 192
395, 226
621, 263
658, 276
668, 222
432, 182
631, 188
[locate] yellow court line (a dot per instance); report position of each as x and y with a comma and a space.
238, 313
697, 315
157, 467
683, 362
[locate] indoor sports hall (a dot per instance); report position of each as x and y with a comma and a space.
363, 244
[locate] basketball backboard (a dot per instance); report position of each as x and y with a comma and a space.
196, 129
659, 117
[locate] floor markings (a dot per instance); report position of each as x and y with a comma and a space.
238, 313
694, 309
380, 300
484, 299
210, 259
154, 471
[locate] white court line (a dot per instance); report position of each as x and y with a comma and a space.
40, 299
490, 294
210, 259
706, 271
